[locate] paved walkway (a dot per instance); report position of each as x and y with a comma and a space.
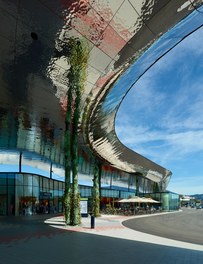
30, 240
111, 226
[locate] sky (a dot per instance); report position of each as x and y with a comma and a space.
161, 117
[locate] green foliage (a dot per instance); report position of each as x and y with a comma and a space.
75, 218
77, 57
95, 193
110, 210
67, 205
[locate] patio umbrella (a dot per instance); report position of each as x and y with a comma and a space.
134, 199
123, 201
150, 200
137, 199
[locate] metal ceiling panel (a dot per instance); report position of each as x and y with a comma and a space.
33, 70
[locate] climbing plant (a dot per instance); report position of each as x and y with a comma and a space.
96, 191
77, 58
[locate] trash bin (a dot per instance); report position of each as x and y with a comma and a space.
92, 221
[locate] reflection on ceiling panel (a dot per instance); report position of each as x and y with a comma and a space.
118, 37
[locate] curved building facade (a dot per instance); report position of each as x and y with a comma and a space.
122, 39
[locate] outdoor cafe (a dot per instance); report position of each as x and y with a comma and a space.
138, 205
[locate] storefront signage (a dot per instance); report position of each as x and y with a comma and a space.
45, 195
84, 207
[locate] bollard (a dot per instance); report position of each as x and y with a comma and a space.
92, 221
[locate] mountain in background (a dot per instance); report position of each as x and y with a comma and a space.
197, 196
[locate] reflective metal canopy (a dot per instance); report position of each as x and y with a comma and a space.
118, 34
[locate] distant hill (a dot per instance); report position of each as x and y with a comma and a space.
197, 196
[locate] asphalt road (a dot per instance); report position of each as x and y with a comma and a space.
186, 225
29, 240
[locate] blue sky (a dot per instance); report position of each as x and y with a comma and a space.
161, 118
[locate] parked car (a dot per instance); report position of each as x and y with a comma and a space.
198, 207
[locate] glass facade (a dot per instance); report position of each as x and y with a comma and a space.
169, 201
36, 185
28, 194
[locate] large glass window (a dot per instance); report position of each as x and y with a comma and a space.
56, 185
28, 179
168, 201
60, 186
85, 191
19, 179
41, 183
56, 200
45, 184
124, 194
35, 191
109, 193
27, 191
3, 200
27, 194
18, 200
35, 180
3, 179
11, 179
11, 200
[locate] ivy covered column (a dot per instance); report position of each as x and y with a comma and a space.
76, 216
77, 57
67, 153
96, 191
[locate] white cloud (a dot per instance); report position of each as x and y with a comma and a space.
160, 145
162, 116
